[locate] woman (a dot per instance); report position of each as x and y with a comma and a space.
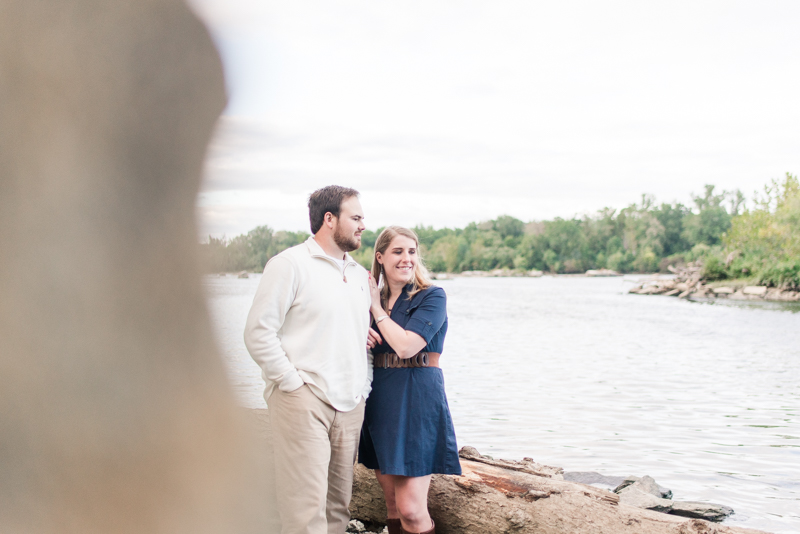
408, 432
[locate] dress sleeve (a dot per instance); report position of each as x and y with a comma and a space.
427, 318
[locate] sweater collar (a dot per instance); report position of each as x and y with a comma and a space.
316, 251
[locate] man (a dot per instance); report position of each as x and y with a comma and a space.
307, 330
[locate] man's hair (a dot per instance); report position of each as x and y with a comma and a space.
327, 199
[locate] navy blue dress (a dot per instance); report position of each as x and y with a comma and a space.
407, 425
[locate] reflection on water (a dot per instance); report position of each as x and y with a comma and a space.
574, 372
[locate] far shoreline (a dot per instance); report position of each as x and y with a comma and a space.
663, 284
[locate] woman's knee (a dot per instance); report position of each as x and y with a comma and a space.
410, 510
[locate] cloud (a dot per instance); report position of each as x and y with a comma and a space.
536, 110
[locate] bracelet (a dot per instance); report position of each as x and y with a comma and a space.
381, 318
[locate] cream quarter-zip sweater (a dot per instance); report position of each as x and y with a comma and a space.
309, 323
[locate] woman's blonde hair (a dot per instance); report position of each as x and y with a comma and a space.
421, 279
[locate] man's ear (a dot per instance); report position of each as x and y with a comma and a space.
329, 220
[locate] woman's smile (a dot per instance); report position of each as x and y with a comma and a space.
399, 260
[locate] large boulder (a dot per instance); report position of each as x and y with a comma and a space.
115, 412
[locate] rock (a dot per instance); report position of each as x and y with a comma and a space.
646, 484
645, 493
649, 485
474, 273
601, 272
355, 526
242, 274
649, 290
755, 290
772, 293
723, 290
700, 510
635, 496
775, 293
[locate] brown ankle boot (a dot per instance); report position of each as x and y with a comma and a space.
394, 526
431, 531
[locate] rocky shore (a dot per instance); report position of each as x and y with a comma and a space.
688, 284
505, 496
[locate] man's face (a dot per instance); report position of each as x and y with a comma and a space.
349, 225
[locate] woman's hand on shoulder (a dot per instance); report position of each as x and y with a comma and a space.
374, 293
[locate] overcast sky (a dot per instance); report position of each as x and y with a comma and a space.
443, 113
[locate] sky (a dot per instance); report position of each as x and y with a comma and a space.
448, 112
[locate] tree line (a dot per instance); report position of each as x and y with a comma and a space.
731, 239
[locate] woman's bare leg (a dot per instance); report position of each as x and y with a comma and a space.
387, 484
411, 502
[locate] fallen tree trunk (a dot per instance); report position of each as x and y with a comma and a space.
498, 497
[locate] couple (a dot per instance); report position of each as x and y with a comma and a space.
314, 309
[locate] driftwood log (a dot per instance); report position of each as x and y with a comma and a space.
498, 497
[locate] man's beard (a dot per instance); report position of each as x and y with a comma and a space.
346, 242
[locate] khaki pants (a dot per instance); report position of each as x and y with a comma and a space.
315, 450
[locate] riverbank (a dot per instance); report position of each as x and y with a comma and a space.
689, 284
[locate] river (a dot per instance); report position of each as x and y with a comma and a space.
574, 372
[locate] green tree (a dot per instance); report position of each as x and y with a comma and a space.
711, 220
765, 242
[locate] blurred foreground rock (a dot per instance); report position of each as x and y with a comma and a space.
115, 412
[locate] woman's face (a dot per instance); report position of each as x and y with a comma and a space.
399, 260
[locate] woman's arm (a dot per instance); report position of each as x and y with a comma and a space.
407, 343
